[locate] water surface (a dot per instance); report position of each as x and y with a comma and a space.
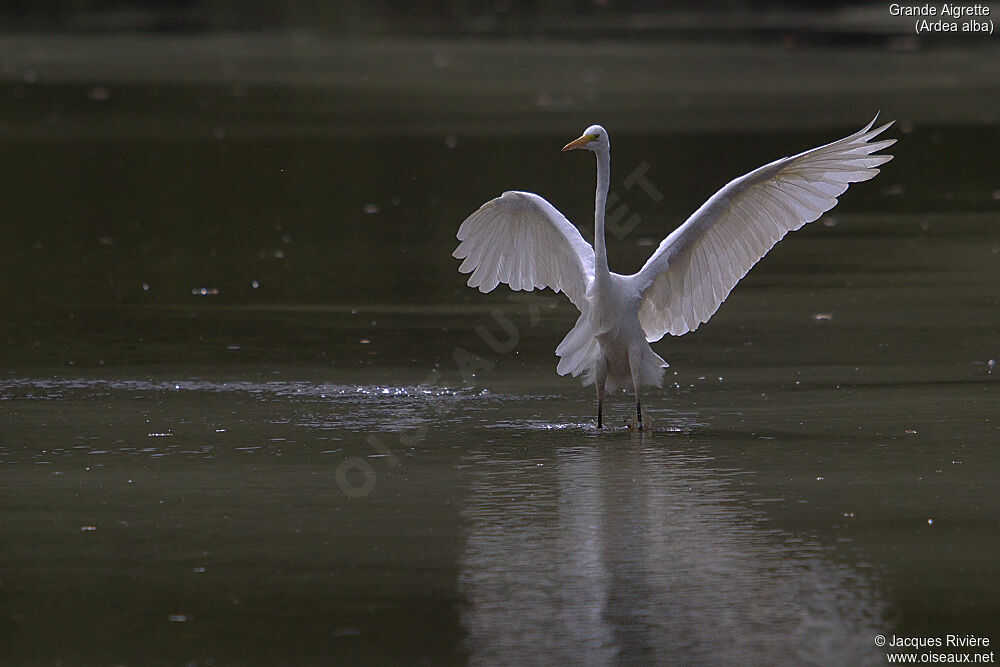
252, 415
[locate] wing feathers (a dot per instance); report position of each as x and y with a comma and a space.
522, 240
694, 269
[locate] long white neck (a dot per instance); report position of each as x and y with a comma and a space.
600, 204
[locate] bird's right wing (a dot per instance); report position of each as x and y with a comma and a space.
522, 240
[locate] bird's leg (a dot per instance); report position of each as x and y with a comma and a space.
600, 404
599, 381
634, 366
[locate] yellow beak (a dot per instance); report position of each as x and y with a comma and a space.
578, 143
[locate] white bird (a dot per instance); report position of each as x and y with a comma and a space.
522, 240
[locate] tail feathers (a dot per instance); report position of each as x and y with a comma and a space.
651, 368
581, 354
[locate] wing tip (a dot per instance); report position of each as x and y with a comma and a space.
871, 123
882, 128
867, 133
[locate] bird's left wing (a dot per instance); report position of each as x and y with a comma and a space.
695, 268
522, 240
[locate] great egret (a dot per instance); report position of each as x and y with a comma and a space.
522, 240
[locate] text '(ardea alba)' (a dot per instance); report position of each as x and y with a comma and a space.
522, 240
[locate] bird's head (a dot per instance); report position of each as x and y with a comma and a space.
594, 138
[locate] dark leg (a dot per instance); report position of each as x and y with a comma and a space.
600, 404
636, 374
602, 376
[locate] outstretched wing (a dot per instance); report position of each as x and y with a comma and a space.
695, 268
522, 240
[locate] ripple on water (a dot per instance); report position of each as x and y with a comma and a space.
660, 422
82, 388
332, 406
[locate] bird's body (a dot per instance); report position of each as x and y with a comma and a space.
522, 240
608, 339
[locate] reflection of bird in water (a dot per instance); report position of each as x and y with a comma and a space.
522, 240
635, 554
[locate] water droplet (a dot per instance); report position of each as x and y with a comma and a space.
98, 94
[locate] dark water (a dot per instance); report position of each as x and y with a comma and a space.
252, 415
